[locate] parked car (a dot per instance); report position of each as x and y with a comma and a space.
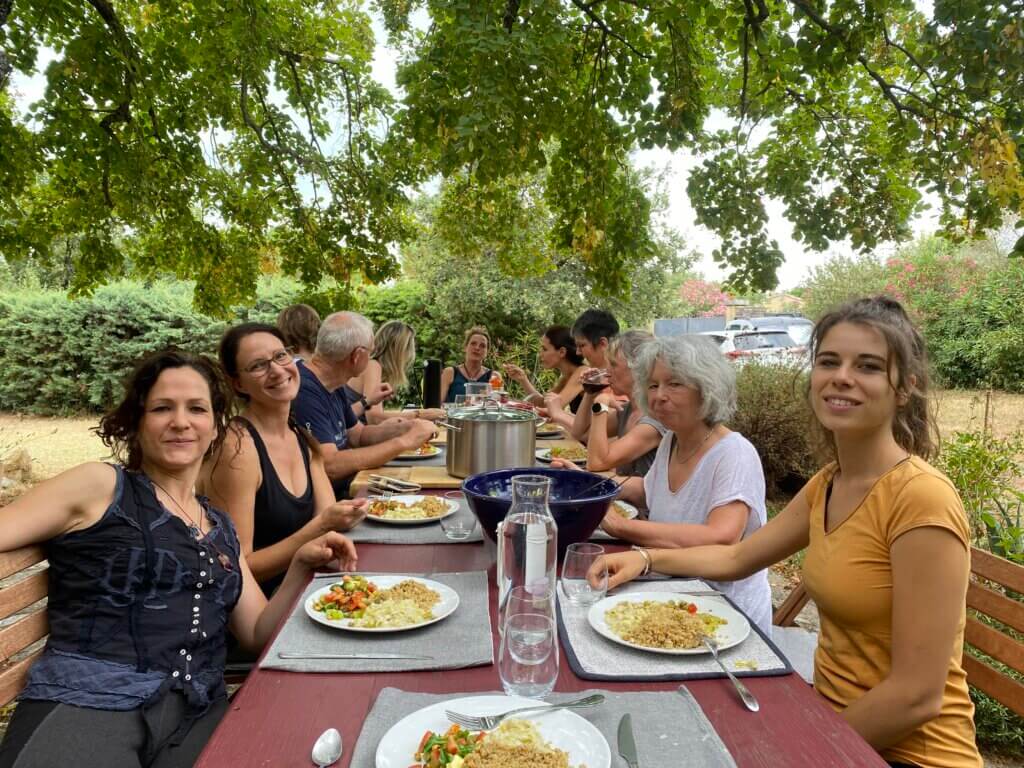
774, 347
798, 327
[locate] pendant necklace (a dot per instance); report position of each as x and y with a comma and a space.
194, 528
692, 453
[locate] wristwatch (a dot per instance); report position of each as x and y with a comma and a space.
365, 403
599, 408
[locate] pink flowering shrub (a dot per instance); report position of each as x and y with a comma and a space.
927, 279
701, 299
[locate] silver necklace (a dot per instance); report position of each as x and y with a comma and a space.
195, 528
693, 453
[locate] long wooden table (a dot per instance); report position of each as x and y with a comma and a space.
276, 716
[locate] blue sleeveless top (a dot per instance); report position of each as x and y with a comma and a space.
459, 381
138, 607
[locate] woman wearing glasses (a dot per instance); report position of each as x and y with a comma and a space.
269, 475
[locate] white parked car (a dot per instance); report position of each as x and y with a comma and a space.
798, 327
773, 346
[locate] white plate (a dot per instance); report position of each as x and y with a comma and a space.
438, 450
562, 729
727, 635
544, 454
453, 507
445, 606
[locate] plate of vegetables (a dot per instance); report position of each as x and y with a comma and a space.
398, 603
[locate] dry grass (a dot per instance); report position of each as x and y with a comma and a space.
54, 444
964, 410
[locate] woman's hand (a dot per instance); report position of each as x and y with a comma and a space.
612, 522
384, 391
328, 548
553, 402
607, 397
343, 515
622, 567
566, 464
515, 373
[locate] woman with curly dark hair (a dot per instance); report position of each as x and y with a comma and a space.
146, 579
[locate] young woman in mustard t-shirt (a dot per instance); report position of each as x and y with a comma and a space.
887, 541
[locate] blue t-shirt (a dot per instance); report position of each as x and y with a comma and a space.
327, 416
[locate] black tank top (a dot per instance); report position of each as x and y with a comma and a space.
277, 514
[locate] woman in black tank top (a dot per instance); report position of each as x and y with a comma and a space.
269, 474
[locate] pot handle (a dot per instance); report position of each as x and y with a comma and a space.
446, 425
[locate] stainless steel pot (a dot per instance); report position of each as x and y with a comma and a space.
489, 437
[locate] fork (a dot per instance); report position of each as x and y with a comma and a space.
748, 698
487, 722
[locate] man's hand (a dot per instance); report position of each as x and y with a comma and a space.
418, 432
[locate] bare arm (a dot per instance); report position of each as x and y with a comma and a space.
783, 535
724, 525
603, 453
930, 572
581, 424
72, 500
447, 377
347, 462
233, 482
254, 618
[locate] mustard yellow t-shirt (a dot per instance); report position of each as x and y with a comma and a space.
848, 573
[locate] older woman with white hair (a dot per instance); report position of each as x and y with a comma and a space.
706, 485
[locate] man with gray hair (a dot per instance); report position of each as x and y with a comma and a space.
343, 348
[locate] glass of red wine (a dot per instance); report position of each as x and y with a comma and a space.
595, 380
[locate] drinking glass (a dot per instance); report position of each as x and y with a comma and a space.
460, 525
523, 600
579, 558
477, 392
528, 659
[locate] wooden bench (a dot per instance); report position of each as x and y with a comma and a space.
23, 625
982, 600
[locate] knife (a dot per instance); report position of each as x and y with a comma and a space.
627, 744
285, 655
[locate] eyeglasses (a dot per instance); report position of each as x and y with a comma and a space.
282, 358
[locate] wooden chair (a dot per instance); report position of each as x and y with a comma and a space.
982, 600
23, 625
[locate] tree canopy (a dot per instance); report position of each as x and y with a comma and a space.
210, 139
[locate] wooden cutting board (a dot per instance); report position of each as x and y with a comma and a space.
434, 477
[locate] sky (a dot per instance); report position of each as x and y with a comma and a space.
798, 259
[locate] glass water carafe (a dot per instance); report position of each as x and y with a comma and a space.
527, 539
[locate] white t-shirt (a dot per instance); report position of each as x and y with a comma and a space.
729, 471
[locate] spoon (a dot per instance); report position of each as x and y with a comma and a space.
327, 748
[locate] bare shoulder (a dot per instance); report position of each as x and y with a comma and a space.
236, 453
82, 489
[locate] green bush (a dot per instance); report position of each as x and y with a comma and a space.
62, 356
773, 414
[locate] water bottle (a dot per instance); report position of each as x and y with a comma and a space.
527, 540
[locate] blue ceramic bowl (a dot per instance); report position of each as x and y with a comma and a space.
490, 496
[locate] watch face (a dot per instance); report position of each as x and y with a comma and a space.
598, 408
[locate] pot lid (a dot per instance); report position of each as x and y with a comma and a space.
491, 413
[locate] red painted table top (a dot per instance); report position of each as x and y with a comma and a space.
276, 716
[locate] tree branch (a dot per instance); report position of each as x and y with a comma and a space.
511, 14
603, 26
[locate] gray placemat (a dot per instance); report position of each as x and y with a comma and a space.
594, 657
669, 726
463, 639
372, 532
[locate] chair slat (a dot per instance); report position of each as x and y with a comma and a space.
22, 594
22, 634
12, 677
996, 569
20, 559
785, 615
999, 686
999, 607
995, 644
